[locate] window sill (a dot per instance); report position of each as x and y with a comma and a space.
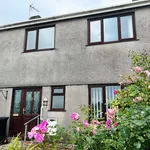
61, 110
28, 51
113, 42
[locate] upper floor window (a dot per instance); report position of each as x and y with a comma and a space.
112, 29
40, 39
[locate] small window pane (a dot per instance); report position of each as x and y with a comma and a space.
126, 27
110, 29
58, 102
110, 93
31, 40
58, 90
46, 38
96, 101
95, 31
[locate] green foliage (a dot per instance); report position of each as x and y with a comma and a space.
15, 144
133, 116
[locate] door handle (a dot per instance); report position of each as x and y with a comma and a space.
24, 110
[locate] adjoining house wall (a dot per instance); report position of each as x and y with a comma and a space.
5, 105
72, 61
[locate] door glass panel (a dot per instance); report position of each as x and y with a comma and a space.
110, 29
96, 101
17, 101
28, 107
36, 102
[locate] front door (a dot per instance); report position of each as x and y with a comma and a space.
25, 106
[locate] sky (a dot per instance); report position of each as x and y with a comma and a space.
12, 11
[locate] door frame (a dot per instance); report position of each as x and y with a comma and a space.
24, 89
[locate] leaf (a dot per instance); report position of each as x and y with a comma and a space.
137, 145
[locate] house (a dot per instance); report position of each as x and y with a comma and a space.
50, 66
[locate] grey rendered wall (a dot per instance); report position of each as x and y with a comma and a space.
74, 97
72, 62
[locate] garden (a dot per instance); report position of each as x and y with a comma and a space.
126, 127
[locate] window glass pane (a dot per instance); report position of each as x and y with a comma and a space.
46, 38
31, 40
110, 29
58, 90
17, 101
126, 27
58, 102
110, 94
95, 31
96, 101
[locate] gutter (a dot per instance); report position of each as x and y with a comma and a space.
132, 5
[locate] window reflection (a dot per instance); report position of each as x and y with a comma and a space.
46, 38
95, 28
31, 40
110, 29
58, 102
126, 27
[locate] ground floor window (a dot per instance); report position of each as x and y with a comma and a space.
58, 98
100, 97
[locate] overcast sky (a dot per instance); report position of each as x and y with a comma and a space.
12, 11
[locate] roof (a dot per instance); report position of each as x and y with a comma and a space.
132, 5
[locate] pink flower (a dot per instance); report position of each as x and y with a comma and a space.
35, 129
107, 125
30, 135
115, 92
77, 129
110, 112
137, 99
147, 73
74, 116
39, 137
43, 127
95, 122
94, 132
128, 81
137, 69
85, 123
115, 124
44, 123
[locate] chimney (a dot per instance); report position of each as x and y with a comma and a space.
35, 17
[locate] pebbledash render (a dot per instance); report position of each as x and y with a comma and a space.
51, 66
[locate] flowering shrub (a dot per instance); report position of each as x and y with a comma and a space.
38, 132
128, 123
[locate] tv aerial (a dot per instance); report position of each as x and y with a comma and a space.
32, 8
